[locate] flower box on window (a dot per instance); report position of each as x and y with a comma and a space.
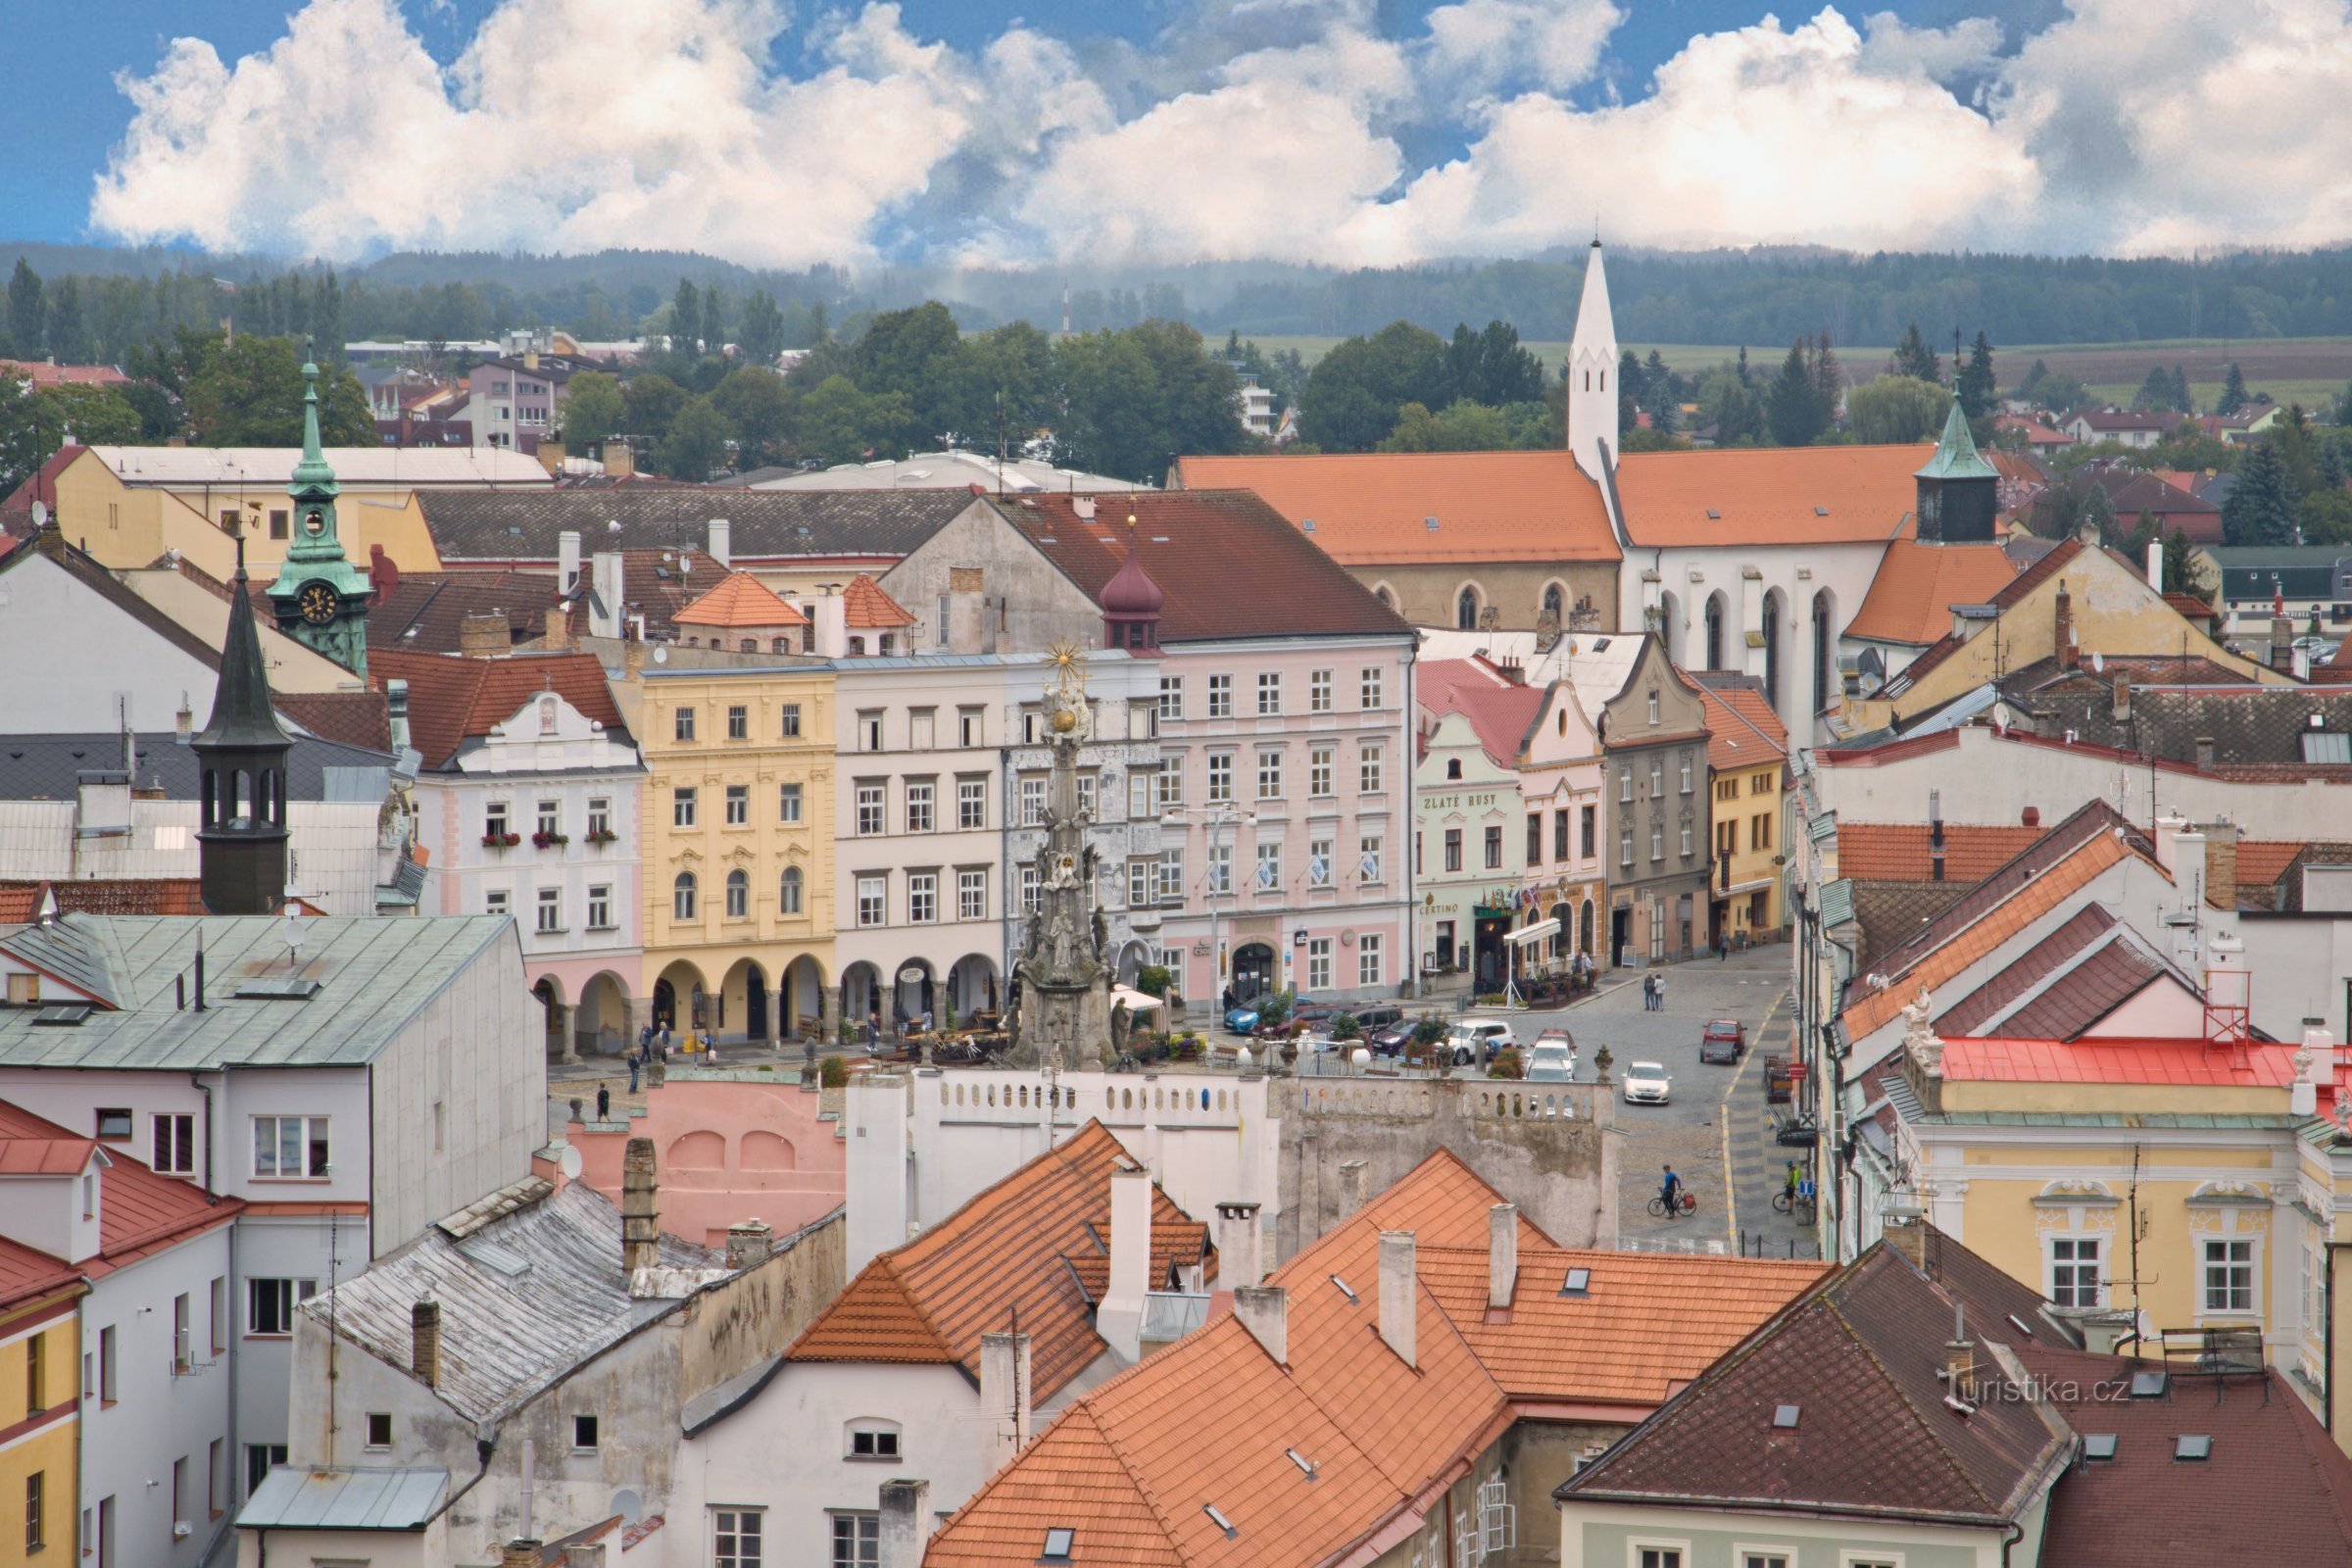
501, 840
548, 841
602, 835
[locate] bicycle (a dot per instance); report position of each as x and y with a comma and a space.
1799, 1204
1686, 1206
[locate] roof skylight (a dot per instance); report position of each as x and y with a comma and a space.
1785, 1416
1578, 1283
1216, 1516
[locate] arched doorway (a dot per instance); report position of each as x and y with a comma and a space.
604, 1016
1132, 959
1824, 650
911, 992
1254, 970
1557, 944
551, 997
1773, 610
680, 999
743, 1002
973, 985
804, 998
861, 994
1584, 930
1670, 627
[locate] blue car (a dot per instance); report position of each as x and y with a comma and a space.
1242, 1020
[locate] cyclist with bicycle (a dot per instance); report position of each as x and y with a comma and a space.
1670, 1193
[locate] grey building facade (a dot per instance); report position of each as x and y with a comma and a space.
1654, 737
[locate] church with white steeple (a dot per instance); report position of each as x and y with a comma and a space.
1592, 367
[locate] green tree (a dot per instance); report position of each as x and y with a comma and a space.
758, 410
2290, 433
919, 352
2177, 554
2234, 392
28, 311
1352, 396
1894, 410
2155, 394
1658, 393
839, 424
1727, 402
2326, 518
1975, 383
1140, 396
1488, 367
594, 407
762, 335
69, 334
2261, 510
696, 446
651, 402
1914, 359
95, 416
1829, 379
1793, 406
1011, 385
686, 320
249, 393
2344, 405
1463, 427
1629, 391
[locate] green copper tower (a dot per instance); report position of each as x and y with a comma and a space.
320, 597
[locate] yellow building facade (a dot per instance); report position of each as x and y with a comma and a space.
738, 836
40, 1415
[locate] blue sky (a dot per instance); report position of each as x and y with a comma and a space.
1350, 131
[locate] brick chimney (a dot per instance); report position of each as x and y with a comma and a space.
2119, 696
619, 461
640, 1216
1960, 1357
2062, 643
1905, 1229
1241, 1245
483, 635
749, 1244
2221, 864
2282, 642
903, 1521
1265, 1311
2030, 816
519, 1555
2204, 746
424, 1341
1400, 1294
1502, 1254
1004, 1414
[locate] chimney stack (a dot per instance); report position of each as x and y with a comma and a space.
619, 461
831, 615
1960, 1357
396, 711
520, 1553
1004, 1400
640, 1218
1351, 1187
2204, 746
722, 542
2282, 642
2030, 816
1265, 1311
1400, 1294
749, 1244
604, 588
2221, 864
1905, 1229
483, 635
2063, 639
2316, 1059
568, 562
1119, 1319
424, 1341
902, 1524
1502, 1254
1241, 1245
2119, 695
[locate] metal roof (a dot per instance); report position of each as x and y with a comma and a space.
373, 975
296, 1498
272, 467
1837, 904
34, 767
766, 524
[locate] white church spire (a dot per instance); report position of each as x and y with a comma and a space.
1592, 373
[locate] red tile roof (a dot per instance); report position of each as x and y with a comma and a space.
1205, 549
139, 1213
1911, 596
2109, 1060
2053, 560
1034, 1246
1500, 713
1743, 730
1769, 495
33, 1155
21, 901
869, 608
349, 718
742, 599
453, 699
43, 374
2263, 862
1905, 852
1373, 508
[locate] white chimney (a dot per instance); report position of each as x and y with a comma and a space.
1400, 1294
2317, 1055
722, 542
1241, 1245
1265, 1311
831, 613
905, 1524
605, 611
2169, 827
875, 1178
568, 560
2156, 563
1004, 1400
1503, 1254
1119, 1319
1351, 1187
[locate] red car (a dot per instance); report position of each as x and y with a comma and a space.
1723, 1039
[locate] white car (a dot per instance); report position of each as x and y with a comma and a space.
1552, 1060
1647, 1083
1475, 1041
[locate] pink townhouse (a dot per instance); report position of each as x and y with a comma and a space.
1281, 774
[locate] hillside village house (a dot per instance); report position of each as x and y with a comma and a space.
529, 799
1285, 718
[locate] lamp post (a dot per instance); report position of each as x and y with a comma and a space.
1216, 818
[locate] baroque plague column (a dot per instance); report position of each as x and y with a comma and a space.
1064, 969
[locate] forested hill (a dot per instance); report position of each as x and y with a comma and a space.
1723, 297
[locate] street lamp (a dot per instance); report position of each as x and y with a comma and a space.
1216, 818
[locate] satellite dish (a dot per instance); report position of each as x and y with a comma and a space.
660, 656
571, 1163
41, 515
626, 1504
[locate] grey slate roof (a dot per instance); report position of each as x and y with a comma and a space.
526, 1297
518, 526
2248, 725
373, 975
35, 767
298, 1498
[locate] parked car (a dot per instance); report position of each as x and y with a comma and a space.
1647, 1083
1552, 1060
1476, 1039
1390, 1040
1723, 1039
1304, 1017
1241, 1018
1376, 1016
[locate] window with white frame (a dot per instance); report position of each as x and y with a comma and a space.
600, 907
682, 724
922, 898
739, 895
1319, 863
1657, 841
1220, 868
1029, 890
1220, 776
1749, 1558
551, 818
971, 803
1369, 687
682, 901
1269, 867
1269, 773
922, 729
1625, 846
1686, 772
1139, 884
551, 910
1686, 849
870, 808
739, 1538
1318, 963
1220, 695
971, 895
1318, 691
1033, 803
873, 1439
739, 806
2229, 1275
268, 1309
1139, 794
1657, 777
289, 1148
1320, 771
789, 804
1368, 859
857, 1540
870, 730
173, 1146
919, 805
1369, 958
788, 721
1653, 707
1171, 876
1171, 698
600, 818
681, 806
789, 891
1371, 773
1625, 783
1168, 787
1086, 794
1651, 1556
1269, 693
2074, 1271
971, 724
873, 900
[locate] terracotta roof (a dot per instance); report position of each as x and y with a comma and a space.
420, 611
139, 1213
741, 600
2261, 861
654, 583
2276, 1488
454, 698
1013, 1251
1911, 596
1199, 547
16, 512
348, 718
1905, 852
2030, 968
869, 608
44, 373
29, 1154
1131, 1466
1373, 508
26, 1275
2188, 607
1768, 495
2052, 561
19, 902
2111, 1060
1500, 711
1743, 730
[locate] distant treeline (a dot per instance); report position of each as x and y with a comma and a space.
1763, 298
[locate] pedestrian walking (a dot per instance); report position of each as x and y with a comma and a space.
1662, 994
635, 1059
1649, 993
603, 1101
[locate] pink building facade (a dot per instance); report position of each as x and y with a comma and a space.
727, 1148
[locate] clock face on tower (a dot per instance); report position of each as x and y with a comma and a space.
319, 603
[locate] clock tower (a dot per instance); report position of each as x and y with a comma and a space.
320, 597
